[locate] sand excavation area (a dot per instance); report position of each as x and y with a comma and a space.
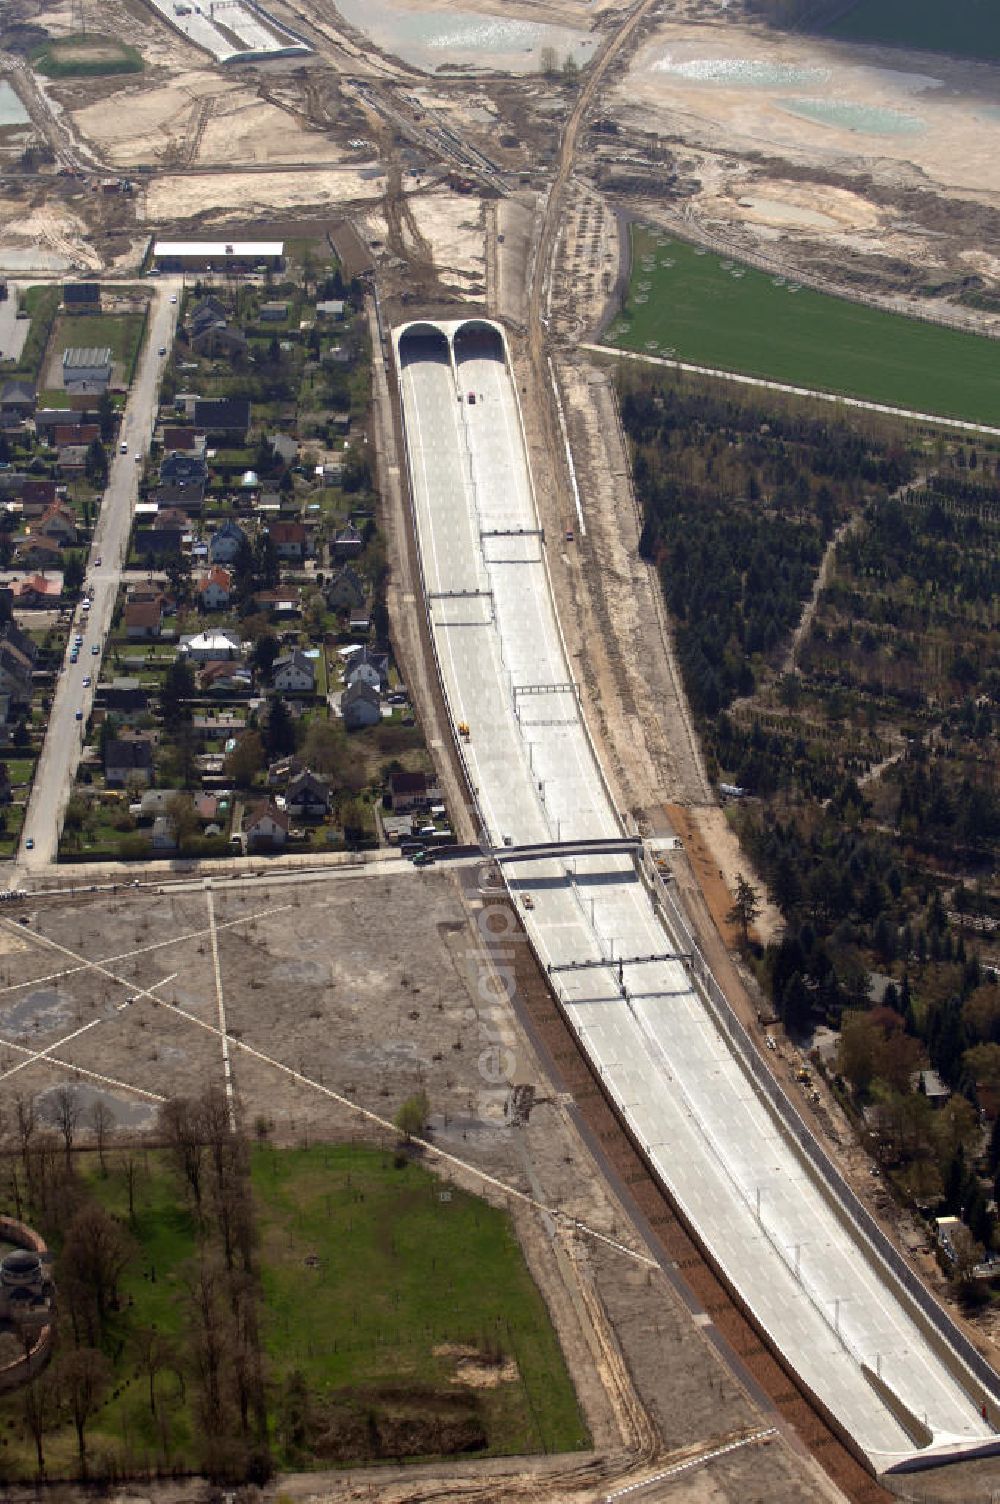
199, 117
812, 100
219, 195
805, 142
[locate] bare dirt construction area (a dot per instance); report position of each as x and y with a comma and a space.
223, 196
199, 118
335, 1000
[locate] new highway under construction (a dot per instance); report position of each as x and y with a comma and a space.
880, 1359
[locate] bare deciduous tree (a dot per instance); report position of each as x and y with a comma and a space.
96, 1253
67, 1115
154, 1353
38, 1407
102, 1124
24, 1108
131, 1168
82, 1375
180, 1123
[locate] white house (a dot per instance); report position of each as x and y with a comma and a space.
206, 647
215, 588
367, 667
293, 673
265, 827
225, 544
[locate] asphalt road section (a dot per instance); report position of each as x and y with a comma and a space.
71, 702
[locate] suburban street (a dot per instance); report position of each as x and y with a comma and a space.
64, 738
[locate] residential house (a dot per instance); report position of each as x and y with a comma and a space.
930, 1085
345, 590
283, 603
143, 620
206, 807
285, 768
274, 312
265, 826
293, 673
183, 441
38, 552
15, 673
360, 619
217, 645
37, 496
12, 483
128, 760
308, 796
289, 539
39, 589
126, 699
368, 667
183, 466
285, 447
156, 802
23, 641
164, 836
226, 542
220, 339
348, 543
226, 417
397, 828
215, 589
48, 419
150, 591
332, 308
186, 495
225, 678
17, 401
59, 523
71, 459
161, 542
80, 433
360, 706
410, 791
207, 310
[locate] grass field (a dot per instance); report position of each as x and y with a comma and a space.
969, 28
691, 305
401, 1273
41, 304
86, 56
372, 1282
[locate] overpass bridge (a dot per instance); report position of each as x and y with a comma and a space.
541, 851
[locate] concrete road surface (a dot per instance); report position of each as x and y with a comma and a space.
71, 703
736, 1161
13, 331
